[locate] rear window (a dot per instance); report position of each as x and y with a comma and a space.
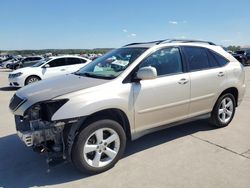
220, 60
73, 61
36, 58
197, 58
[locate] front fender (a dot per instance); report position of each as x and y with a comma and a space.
88, 103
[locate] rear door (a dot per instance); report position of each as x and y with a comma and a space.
74, 64
206, 75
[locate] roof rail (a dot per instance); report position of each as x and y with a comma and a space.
156, 42
171, 41
185, 41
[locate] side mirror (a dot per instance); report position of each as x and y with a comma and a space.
46, 66
147, 73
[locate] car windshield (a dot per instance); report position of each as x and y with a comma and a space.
40, 62
111, 64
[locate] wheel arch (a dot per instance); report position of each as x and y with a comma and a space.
113, 114
232, 90
31, 76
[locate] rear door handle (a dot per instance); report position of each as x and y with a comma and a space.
63, 69
183, 81
220, 74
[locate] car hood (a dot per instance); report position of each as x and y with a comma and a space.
26, 69
53, 87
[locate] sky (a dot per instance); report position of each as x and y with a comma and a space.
82, 24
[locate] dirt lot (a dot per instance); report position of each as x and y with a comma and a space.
190, 155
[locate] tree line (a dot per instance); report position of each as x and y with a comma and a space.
57, 51
75, 51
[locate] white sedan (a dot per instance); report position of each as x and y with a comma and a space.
44, 69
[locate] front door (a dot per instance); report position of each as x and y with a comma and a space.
56, 67
166, 98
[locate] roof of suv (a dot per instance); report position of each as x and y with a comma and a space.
183, 42
168, 41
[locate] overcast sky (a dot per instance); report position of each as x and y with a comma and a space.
30, 24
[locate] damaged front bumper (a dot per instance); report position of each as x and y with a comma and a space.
37, 133
54, 138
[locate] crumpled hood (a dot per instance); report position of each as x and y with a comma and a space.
53, 87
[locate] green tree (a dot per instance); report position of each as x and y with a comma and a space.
233, 48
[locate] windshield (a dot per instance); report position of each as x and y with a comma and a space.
40, 62
111, 64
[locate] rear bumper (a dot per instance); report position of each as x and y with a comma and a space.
241, 94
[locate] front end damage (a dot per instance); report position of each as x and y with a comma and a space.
55, 138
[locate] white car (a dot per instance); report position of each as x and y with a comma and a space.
50, 67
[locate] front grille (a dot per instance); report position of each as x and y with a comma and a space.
16, 102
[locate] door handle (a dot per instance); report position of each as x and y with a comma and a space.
220, 74
62, 69
183, 81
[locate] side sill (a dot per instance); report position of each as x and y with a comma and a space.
137, 135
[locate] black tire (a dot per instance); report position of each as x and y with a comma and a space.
7, 66
214, 119
243, 62
77, 153
30, 78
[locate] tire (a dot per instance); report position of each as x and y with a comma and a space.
7, 66
32, 79
83, 157
243, 62
223, 111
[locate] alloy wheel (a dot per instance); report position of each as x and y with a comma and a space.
32, 80
101, 147
225, 110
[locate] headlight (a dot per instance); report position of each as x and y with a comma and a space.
15, 75
45, 110
35, 112
18, 74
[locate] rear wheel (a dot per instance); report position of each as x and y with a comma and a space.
20, 66
223, 111
244, 62
32, 79
99, 146
7, 66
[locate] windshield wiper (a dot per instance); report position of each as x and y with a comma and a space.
92, 75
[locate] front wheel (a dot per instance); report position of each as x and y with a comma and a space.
31, 79
223, 111
99, 146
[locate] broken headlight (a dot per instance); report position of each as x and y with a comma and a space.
45, 110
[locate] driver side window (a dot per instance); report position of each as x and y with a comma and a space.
57, 62
166, 61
